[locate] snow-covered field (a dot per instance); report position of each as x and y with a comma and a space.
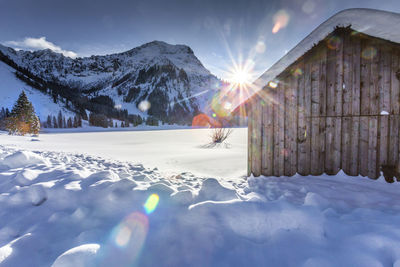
95, 199
172, 151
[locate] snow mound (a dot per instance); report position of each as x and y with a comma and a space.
184, 197
23, 159
81, 256
37, 195
26, 177
211, 189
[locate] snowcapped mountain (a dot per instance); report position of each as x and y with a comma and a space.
169, 79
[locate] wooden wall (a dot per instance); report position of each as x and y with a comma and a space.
325, 113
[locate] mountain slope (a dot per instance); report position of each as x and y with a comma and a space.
11, 87
169, 79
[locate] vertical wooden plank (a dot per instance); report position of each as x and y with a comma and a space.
393, 155
322, 109
373, 159
281, 124
394, 124
315, 109
257, 129
290, 123
307, 112
301, 123
249, 137
286, 154
293, 125
384, 105
330, 110
395, 85
338, 107
279, 130
268, 135
364, 110
355, 106
347, 103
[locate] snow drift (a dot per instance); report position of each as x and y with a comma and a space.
74, 210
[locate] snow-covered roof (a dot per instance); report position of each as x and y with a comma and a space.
377, 23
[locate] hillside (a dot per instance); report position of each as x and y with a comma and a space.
11, 87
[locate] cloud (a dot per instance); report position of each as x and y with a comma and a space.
40, 43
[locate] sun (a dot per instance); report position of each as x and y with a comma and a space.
240, 76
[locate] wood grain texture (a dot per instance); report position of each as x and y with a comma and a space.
326, 111
268, 135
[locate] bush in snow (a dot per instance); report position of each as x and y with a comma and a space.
219, 135
22, 119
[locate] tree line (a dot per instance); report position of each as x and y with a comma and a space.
61, 122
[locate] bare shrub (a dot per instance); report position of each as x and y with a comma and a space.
219, 135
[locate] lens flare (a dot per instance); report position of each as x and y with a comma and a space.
228, 105
308, 7
123, 236
151, 203
369, 52
133, 228
126, 241
272, 84
218, 105
281, 20
144, 105
260, 47
202, 120
297, 72
333, 42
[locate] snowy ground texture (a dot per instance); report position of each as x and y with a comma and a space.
73, 209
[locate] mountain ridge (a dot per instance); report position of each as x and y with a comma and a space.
170, 77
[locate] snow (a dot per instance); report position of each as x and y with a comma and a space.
22, 159
377, 23
173, 150
384, 112
85, 199
81, 256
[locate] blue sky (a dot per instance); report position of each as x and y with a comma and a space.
219, 31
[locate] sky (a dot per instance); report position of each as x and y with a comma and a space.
222, 33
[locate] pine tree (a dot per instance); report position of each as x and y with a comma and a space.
22, 119
55, 125
48, 122
116, 125
79, 121
2, 113
64, 123
75, 124
60, 119
69, 122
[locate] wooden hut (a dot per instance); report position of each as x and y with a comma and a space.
332, 104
